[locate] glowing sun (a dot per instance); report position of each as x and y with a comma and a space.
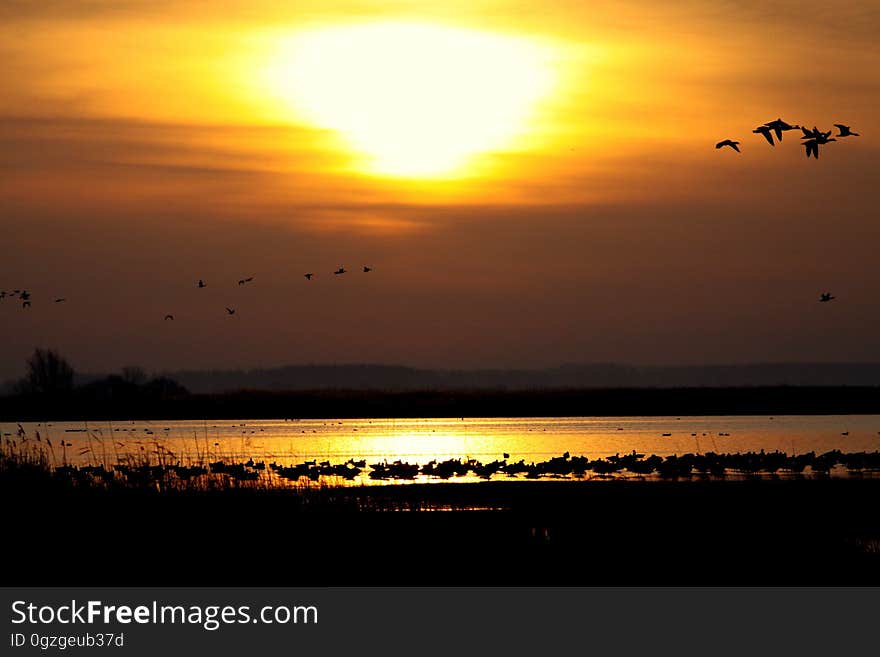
417, 100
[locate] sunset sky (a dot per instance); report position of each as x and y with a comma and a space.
533, 183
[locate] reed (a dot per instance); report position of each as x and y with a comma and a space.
153, 465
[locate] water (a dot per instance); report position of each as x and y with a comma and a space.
421, 440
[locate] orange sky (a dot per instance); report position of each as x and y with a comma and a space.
146, 145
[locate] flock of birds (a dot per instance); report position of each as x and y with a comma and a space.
811, 139
170, 470
25, 297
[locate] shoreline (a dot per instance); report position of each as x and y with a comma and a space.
470, 403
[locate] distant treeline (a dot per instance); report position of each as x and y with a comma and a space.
48, 391
589, 375
163, 399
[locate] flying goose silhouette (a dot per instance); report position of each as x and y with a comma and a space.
308, 276
367, 269
845, 131
167, 317
230, 311
341, 270
765, 130
779, 126
245, 280
815, 133
812, 145
60, 300
728, 142
826, 297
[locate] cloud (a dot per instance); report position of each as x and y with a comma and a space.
621, 235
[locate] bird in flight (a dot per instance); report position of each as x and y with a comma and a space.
367, 269
308, 276
245, 280
202, 283
728, 142
167, 317
60, 300
25, 297
230, 311
765, 130
341, 270
812, 145
779, 126
845, 131
815, 133
825, 297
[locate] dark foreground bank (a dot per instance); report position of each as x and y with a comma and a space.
759, 531
84, 404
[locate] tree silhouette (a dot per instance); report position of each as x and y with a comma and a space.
134, 374
47, 374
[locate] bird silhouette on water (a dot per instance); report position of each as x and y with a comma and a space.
341, 270
845, 131
825, 297
230, 311
308, 276
765, 130
728, 142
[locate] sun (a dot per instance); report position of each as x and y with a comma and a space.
414, 100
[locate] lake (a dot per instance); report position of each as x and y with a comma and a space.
421, 440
